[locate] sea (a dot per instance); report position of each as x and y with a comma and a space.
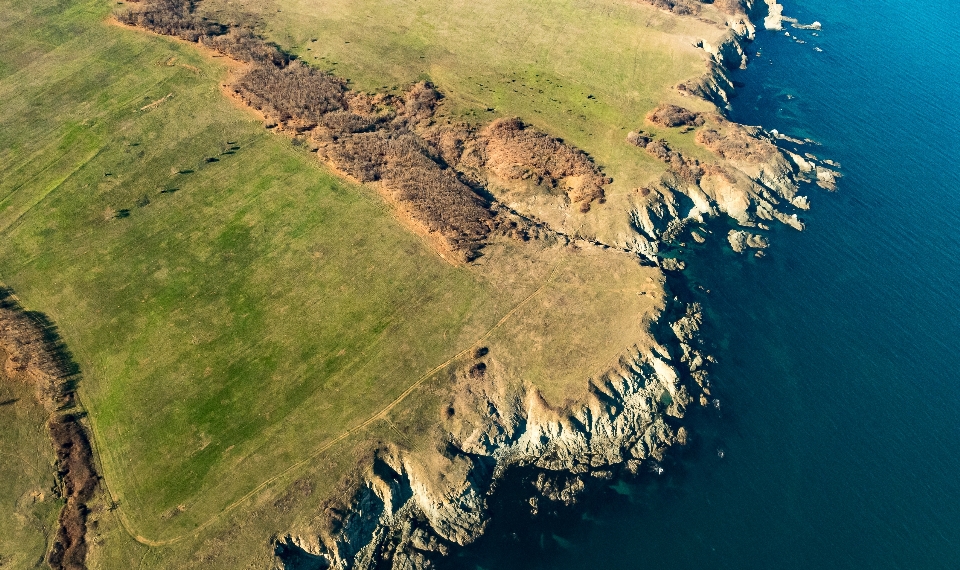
838, 354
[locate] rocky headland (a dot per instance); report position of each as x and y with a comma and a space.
410, 510
463, 186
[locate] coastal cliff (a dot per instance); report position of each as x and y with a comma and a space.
512, 203
413, 507
754, 177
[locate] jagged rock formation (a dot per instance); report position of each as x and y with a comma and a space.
559, 487
414, 506
753, 180
740, 241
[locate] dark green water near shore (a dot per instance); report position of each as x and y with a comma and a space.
839, 353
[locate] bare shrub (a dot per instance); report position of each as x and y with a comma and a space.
292, 92
386, 138
241, 44
518, 152
674, 116
172, 18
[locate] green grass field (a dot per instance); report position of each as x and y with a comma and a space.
234, 307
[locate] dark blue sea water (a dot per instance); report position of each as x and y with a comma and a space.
839, 353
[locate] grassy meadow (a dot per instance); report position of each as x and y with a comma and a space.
234, 307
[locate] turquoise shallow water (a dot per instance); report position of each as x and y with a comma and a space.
839, 353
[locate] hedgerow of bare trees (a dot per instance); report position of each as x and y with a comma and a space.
385, 138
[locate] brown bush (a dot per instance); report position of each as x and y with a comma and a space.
75, 470
687, 169
292, 92
420, 102
386, 138
674, 116
736, 144
518, 152
172, 18
34, 352
241, 44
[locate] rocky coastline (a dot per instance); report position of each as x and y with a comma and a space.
402, 517
408, 510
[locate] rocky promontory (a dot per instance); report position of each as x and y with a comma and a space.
412, 508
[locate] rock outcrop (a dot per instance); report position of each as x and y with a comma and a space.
754, 178
740, 241
414, 506
751, 179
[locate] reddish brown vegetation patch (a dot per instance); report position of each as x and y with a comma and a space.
687, 169
674, 116
172, 18
515, 151
293, 91
736, 143
35, 353
375, 138
512, 151
79, 480
388, 139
